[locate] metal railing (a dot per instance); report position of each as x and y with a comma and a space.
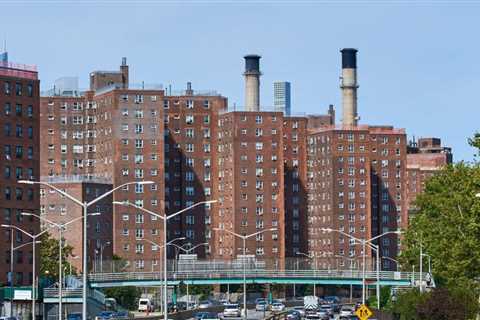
253, 273
66, 292
74, 293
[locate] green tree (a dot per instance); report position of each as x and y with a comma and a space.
447, 226
445, 304
405, 304
204, 291
49, 254
385, 294
438, 304
127, 297
475, 142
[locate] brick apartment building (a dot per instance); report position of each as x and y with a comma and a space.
298, 174
19, 159
425, 158
191, 160
110, 135
356, 183
250, 191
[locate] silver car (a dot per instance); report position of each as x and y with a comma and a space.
347, 311
231, 310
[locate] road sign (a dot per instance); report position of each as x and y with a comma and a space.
363, 312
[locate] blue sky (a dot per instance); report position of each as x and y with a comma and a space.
419, 64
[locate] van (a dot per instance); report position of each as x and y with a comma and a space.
145, 305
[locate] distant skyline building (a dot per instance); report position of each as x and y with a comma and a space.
282, 97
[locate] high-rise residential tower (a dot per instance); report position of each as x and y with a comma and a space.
19, 160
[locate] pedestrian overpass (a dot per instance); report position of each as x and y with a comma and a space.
253, 275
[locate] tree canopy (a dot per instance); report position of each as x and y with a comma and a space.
49, 254
446, 224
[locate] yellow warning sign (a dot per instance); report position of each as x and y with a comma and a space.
363, 312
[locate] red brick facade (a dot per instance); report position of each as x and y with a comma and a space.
19, 159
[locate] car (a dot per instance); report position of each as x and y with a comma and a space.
205, 304
277, 307
259, 300
293, 315
347, 310
352, 317
323, 315
327, 308
300, 310
104, 315
172, 307
317, 316
231, 310
207, 316
334, 301
199, 315
261, 306
121, 315
181, 305
70, 316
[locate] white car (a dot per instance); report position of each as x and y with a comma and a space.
205, 305
277, 307
145, 305
347, 311
231, 310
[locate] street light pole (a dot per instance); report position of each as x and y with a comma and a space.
11, 273
364, 243
102, 246
351, 273
315, 261
12, 250
34, 241
165, 219
187, 251
397, 264
244, 238
60, 273
421, 267
61, 227
85, 206
164, 253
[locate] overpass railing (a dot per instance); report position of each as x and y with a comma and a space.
219, 264
252, 273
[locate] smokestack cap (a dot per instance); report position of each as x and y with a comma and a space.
349, 58
252, 63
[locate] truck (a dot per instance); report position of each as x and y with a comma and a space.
310, 304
